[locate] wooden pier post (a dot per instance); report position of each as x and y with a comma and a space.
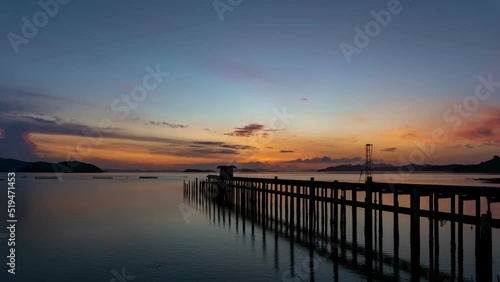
335, 230
415, 234
431, 237
324, 215
354, 196
266, 195
478, 237
380, 232
436, 236
354, 225
336, 213
298, 199
292, 213
453, 238
460, 238
275, 203
253, 206
485, 269
343, 222
312, 195
286, 207
368, 225
396, 235
281, 206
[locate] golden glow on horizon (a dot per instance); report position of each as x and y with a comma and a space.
123, 151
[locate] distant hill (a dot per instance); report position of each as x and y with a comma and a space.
489, 180
359, 167
246, 170
8, 165
138, 170
491, 166
197, 170
11, 165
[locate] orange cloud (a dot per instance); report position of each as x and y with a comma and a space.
483, 128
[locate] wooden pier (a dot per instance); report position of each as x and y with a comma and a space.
313, 213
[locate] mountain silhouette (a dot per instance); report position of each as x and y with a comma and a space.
12, 165
491, 166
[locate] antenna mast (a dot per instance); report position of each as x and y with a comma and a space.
368, 162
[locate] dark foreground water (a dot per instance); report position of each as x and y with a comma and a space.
132, 229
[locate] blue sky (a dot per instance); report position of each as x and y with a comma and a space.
231, 73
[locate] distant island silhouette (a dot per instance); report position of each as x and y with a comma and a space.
247, 170
489, 180
12, 165
491, 166
198, 170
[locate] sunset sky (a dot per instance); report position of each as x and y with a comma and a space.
263, 84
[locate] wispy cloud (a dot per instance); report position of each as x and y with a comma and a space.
216, 151
492, 143
390, 149
287, 151
208, 143
465, 146
239, 72
44, 123
303, 99
18, 93
247, 130
483, 128
327, 160
477, 132
165, 124
251, 130
213, 131
202, 148
224, 145
44, 118
239, 147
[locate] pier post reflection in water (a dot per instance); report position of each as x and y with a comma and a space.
306, 213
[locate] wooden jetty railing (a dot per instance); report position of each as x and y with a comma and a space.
308, 212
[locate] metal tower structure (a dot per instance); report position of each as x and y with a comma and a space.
368, 162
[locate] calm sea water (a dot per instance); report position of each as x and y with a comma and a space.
85, 229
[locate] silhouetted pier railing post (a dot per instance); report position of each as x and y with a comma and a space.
396, 234
368, 225
415, 233
312, 200
485, 249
